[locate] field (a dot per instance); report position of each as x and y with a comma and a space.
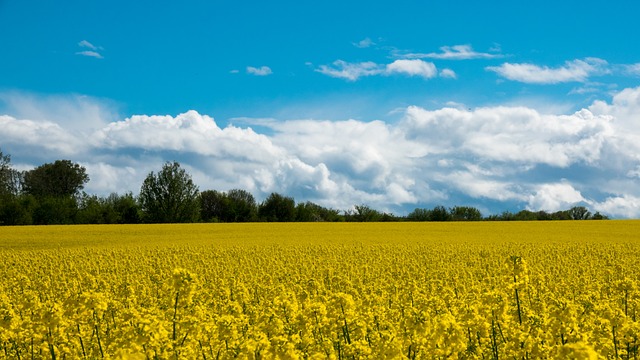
507, 290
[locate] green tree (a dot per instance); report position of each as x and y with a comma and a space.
465, 213
311, 212
170, 196
419, 215
59, 179
213, 205
439, 213
126, 208
580, 213
277, 208
242, 206
9, 178
365, 213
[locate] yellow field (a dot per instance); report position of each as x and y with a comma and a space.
505, 290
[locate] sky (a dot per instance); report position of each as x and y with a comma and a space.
500, 105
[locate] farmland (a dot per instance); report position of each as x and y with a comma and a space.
318, 290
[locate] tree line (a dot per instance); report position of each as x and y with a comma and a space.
52, 193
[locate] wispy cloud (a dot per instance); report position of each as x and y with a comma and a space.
86, 44
90, 53
633, 69
571, 71
353, 71
456, 52
261, 71
94, 51
364, 43
349, 71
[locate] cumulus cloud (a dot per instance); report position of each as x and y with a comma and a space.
261, 71
624, 206
456, 52
412, 68
510, 134
554, 197
448, 73
571, 71
44, 135
353, 71
514, 156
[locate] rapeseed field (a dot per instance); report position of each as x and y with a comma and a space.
485, 290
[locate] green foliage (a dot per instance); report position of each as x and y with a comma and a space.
9, 178
18, 210
170, 196
114, 209
439, 213
234, 206
311, 212
465, 213
59, 179
277, 208
580, 213
419, 215
55, 211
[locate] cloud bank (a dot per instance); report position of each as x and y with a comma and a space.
494, 158
456, 52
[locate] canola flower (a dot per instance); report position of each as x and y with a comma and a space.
567, 290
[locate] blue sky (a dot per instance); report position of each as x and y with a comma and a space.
503, 105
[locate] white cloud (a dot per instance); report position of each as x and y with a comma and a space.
44, 135
448, 73
624, 206
572, 71
516, 156
90, 53
261, 71
85, 43
510, 134
554, 197
633, 69
354, 71
420, 68
457, 52
93, 50
190, 133
364, 43
349, 71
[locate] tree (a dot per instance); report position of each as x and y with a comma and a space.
580, 213
169, 196
213, 206
236, 205
419, 215
465, 213
277, 208
365, 213
60, 179
439, 213
242, 205
311, 212
9, 178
